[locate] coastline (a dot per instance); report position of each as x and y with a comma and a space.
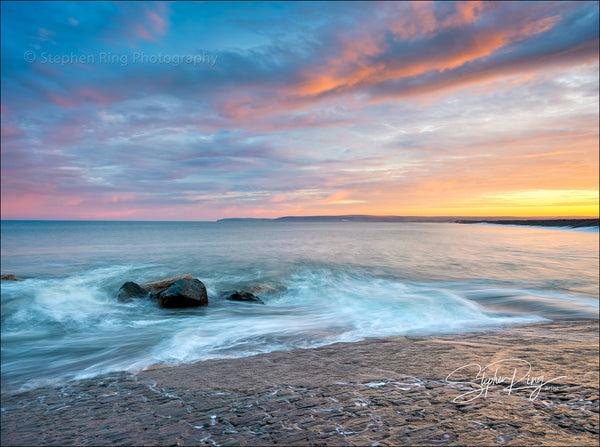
380, 391
541, 223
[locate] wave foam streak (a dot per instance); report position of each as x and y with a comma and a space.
321, 307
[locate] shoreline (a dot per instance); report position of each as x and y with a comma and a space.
550, 223
388, 391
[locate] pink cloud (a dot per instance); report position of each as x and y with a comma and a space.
11, 131
142, 32
61, 100
100, 98
158, 23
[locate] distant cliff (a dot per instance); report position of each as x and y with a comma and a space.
549, 222
345, 218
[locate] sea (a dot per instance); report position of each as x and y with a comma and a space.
321, 283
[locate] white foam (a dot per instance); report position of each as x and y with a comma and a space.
323, 307
79, 322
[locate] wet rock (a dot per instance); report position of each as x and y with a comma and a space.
161, 284
234, 295
11, 278
184, 292
131, 290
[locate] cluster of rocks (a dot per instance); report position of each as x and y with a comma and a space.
11, 278
178, 292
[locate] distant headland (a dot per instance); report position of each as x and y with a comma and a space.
534, 221
345, 218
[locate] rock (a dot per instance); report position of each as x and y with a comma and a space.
184, 292
162, 284
11, 278
131, 290
234, 295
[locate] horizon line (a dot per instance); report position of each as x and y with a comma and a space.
312, 216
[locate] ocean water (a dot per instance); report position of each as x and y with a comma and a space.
324, 283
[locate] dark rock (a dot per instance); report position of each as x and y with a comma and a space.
11, 278
234, 295
131, 290
184, 292
162, 284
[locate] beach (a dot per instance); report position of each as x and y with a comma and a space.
400, 390
371, 333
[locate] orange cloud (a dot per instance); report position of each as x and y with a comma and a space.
469, 10
352, 67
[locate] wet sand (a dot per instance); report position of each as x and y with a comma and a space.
385, 391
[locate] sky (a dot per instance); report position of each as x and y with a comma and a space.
202, 111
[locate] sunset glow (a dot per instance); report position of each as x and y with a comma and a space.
201, 111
